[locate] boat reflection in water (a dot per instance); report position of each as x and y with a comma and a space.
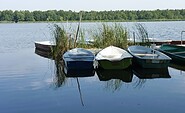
151, 73
124, 75
44, 54
115, 78
59, 76
78, 73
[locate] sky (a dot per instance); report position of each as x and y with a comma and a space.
90, 5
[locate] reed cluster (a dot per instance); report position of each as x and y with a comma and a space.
111, 35
62, 40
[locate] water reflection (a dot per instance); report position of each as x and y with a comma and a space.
115, 78
42, 53
149, 73
60, 78
123, 75
78, 73
177, 66
74, 73
143, 73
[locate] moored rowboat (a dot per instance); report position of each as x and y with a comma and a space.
149, 58
44, 45
78, 58
177, 53
113, 58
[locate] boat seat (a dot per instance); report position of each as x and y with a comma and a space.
139, 52
147, 54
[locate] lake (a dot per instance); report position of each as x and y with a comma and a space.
29, 83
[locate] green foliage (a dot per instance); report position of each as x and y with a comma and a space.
61, 40
6, 15
18, 16
119, 15
28, 16
111, 35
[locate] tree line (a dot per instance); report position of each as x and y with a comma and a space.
119, 15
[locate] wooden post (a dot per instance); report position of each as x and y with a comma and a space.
134, 37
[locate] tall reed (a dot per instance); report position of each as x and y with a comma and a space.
111, 35
62, 45
62, 42
142, 34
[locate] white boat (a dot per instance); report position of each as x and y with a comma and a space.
78, 58
113, 58
44, 45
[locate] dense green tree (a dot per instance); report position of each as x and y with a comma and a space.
28, 16
6, 15
119, 15
39, 16
18, 16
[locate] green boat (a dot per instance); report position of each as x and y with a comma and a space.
148, 58
113, 58
176, 52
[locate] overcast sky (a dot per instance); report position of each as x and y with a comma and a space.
88, 5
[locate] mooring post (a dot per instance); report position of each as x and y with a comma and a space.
181, 37
134, 37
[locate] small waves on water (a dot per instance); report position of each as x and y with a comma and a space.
23, 70
15, 36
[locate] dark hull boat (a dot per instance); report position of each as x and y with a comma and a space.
177, 53
149, 58
44, 45
78, 58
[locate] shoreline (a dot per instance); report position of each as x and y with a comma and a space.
84, 21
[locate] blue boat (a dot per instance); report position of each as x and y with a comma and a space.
79, 58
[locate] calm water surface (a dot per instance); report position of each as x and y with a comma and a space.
29, 82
